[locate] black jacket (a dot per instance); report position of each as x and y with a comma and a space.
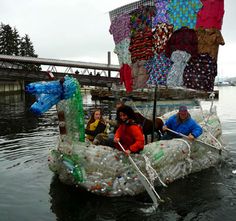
99, 129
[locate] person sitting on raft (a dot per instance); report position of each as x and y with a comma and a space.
129, 133
183, 123
96, 125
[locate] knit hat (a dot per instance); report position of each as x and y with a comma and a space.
183, 109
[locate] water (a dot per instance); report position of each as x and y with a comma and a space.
29, 191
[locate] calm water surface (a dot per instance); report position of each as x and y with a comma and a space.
29, 191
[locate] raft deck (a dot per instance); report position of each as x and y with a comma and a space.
148, 95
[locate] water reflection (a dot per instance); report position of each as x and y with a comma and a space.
185, 199
15, 116
68, 203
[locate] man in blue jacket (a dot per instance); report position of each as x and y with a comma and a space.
181, 123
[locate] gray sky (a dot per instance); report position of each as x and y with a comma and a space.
79, 29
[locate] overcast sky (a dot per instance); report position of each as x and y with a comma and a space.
78, 30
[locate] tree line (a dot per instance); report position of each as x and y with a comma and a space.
11, 43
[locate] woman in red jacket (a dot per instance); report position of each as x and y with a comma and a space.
129, 133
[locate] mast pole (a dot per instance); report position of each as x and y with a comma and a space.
154, 113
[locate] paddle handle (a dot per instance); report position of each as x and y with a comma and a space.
199, 141
148, 186
178, 133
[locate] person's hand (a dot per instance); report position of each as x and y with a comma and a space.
116, 139
127, 152
191, 137
164, 128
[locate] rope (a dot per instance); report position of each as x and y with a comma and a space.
206, 119
189, 154
152, 173
216, 140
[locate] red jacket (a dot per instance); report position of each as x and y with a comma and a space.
131, 137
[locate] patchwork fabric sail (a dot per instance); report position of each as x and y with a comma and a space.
211, 14
139, 74
209, 41
184, 39
161, 35
122, 51
162, 15
159, 28
175, 76
200, 73
120, 28
183, 13
158, 68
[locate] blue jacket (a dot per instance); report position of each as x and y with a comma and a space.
186, 127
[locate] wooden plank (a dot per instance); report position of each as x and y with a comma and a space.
162, 94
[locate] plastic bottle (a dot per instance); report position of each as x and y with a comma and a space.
69, 87
122, 182
50, 87
44, 103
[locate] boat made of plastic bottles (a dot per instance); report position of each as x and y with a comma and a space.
107, 171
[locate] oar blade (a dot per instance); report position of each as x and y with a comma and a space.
145, 182
149, 190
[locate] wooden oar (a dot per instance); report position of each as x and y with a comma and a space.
196, 140
148, 186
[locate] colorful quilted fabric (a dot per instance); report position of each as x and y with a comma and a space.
122, 51
120, 28
141, 45
183, 13
139, 75
184, 39
209, 41
211, 14
175, 76
158, 68
200, 73
141, 19
161, 35
161, 12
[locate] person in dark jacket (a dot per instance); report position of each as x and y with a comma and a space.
96, 125
183, 123
129, 133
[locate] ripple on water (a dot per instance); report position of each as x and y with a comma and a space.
26, 147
